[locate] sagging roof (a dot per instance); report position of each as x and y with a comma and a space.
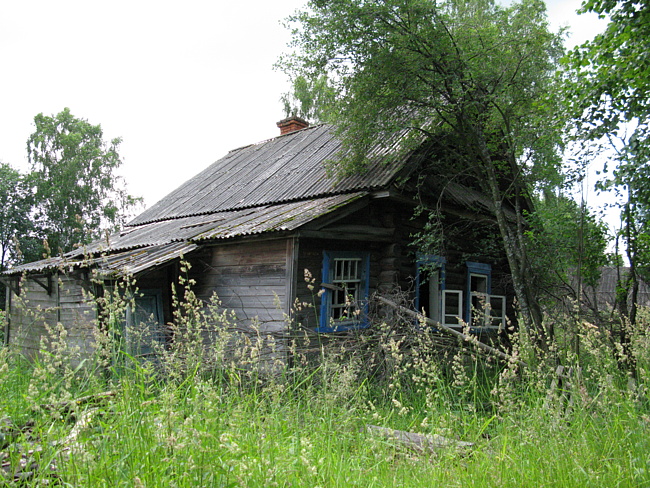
273, 186
137, 248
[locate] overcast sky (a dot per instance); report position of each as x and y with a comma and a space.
181, 82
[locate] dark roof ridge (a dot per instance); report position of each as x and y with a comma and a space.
259, 205
264, 141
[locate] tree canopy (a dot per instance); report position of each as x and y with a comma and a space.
15, 207
473, 73
78, 194
607, 85
310, 99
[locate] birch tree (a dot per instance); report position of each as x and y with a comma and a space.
476, 75
78, 194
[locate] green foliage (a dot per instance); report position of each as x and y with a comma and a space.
609, 80
568, 241
473, 78
311, 99
309, 427
15, 206
477, 69
77, 193
607, 86
16, 228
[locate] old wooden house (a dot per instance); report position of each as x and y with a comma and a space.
255, 220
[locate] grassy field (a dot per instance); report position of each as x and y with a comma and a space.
308, 425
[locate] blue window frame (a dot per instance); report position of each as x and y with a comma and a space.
344, 302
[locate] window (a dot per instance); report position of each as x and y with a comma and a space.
145, 330
497, 315
452, 307
344, 303
469, 299
483, 309
429, 285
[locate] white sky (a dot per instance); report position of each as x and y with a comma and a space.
181, 82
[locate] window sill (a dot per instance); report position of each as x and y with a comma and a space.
343, 327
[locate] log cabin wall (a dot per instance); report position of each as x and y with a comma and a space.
310, 259
474, 237
392, 259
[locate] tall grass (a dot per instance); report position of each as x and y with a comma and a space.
203, 422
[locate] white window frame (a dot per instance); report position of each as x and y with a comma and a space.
493, 315
449, 318
435, 271
477, 297
497, 315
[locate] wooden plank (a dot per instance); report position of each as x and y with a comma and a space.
228, 282
267, 252
291, 274
420, 443
344, 236
231, 273
246, 270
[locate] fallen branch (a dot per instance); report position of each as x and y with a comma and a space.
444, 328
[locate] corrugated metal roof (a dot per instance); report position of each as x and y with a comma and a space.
222, 225
276, 185
139, 247
127, 261
137, 260
287, 168
43, 265
467, 197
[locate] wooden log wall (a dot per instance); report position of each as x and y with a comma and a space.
392, 261
310, 258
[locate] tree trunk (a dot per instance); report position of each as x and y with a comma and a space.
513, 243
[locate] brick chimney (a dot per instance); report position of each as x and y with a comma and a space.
291, 124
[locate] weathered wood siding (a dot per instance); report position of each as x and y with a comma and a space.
30, 311
34, 311
78, 313
253, 279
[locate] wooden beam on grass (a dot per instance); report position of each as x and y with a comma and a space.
421, 443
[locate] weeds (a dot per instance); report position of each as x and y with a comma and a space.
223, 405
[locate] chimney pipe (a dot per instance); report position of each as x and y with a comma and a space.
291, 124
